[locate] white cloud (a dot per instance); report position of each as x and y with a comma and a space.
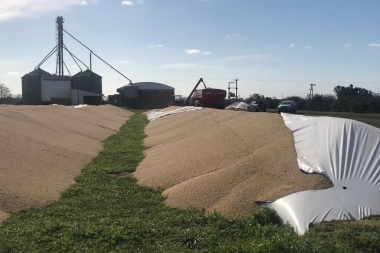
13, 73
374, 45
124, 62
132, 2
307, 47
192, 51
159, 45
10, 9
347, 45
129, 3
90, 1
180, 65
292, 45
197, 51
232, 35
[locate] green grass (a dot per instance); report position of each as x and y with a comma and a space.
107, 211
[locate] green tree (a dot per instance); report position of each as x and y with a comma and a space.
352, 99
5, 92
374, 105
320, 103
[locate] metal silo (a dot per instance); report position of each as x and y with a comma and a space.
87, 81
31, 86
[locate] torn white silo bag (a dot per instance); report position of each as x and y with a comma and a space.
348, 153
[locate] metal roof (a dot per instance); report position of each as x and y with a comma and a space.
86, 73
37, 72
149, 86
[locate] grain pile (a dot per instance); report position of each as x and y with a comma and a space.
217, 160
223, 161
43, 148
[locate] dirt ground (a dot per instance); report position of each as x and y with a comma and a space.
43, 148
223, 161
216, 160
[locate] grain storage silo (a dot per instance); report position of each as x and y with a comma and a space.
89, 87
87, 81
146, 95
31, 86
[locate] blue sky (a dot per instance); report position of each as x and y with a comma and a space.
274, 47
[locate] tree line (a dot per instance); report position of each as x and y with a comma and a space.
346, 99
6, 96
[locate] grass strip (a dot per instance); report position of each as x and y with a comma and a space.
107, 211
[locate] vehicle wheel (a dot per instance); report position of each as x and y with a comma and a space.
264, 110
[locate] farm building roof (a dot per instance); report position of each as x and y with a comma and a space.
37, 72
149, 86
47, 76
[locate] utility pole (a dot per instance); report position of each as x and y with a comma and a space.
311, 90
229, 91
236, 80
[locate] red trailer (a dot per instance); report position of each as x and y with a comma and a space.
207, 97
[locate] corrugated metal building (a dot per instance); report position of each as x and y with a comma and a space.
40, 87
145, 95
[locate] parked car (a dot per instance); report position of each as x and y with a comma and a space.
287, 106
256, 106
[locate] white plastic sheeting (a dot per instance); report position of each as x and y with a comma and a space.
237, 106
348, 153
155, 114
80, 106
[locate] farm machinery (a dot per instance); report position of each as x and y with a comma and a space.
207, 97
